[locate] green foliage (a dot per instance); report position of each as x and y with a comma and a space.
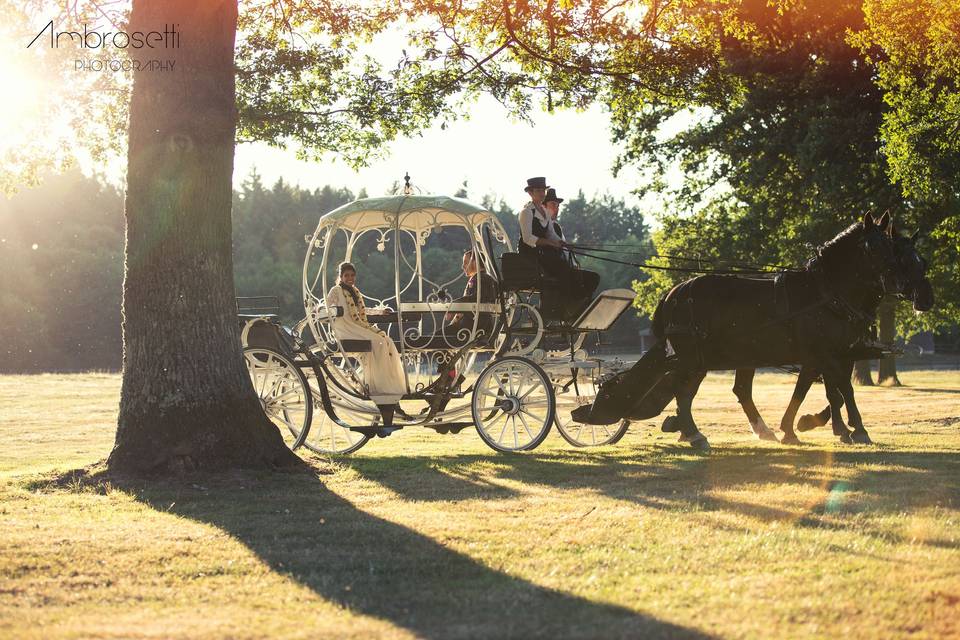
62, 250
269, 226
716, 235
915, 50
914, 46
784, 126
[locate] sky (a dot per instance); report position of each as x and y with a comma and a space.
493, 154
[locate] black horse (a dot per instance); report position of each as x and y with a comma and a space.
913, 285
817, 317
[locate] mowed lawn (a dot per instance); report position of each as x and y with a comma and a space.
435, 536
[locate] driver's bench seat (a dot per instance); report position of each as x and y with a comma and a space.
522, 273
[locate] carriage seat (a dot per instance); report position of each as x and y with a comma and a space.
351, 346
522, 273
326, 314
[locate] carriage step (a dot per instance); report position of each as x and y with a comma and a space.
380, 432
455, 427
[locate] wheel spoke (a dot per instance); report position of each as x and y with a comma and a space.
293, 390
525, 426
278, 379
296, 430
506, 417
263, 384
532, 388
539, 419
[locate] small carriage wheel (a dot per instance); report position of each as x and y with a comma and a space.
519, 314
283, 392
328, 437
580, 434
513, 404
591, 435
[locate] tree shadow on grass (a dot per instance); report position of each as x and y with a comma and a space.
673, 479
381, 569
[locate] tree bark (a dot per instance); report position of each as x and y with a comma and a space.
862, 373
887, 329
186, 401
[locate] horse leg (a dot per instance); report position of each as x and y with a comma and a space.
832, 381
845, 387
686, 389
807, 375
811, 421
743, 389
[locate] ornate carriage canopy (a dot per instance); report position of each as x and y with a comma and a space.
411, 212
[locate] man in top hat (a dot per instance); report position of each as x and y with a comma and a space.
583, 282
539, 238
534, 220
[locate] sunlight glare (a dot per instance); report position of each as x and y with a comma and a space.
24, 93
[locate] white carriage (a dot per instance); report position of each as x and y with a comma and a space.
504, 371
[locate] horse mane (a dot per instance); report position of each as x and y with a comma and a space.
838, 243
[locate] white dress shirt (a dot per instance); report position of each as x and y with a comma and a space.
526, 216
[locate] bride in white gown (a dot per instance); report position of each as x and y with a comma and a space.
382, 368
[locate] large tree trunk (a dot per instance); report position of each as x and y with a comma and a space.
186, 401
887, 321
862, 373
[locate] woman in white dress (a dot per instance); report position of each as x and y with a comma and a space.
382, 368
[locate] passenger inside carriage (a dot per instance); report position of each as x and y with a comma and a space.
479, 283
382, 368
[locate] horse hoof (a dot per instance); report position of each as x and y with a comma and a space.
807, 422
845, 438
860, 436
767, 434
671, 424
699, 442
790, 438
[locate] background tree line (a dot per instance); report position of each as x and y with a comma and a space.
62, 250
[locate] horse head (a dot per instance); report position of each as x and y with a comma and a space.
909, 271
880, 260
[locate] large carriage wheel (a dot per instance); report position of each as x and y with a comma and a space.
513, 404
283, 391
328, 437
580, 434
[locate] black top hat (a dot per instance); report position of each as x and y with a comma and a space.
552, 197
536, 183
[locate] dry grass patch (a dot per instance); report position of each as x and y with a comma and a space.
436, 536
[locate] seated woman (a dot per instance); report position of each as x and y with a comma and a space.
460, 324
382, 368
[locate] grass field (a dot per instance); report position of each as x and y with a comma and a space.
426, 535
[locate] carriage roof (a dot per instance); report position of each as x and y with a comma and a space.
407, 211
